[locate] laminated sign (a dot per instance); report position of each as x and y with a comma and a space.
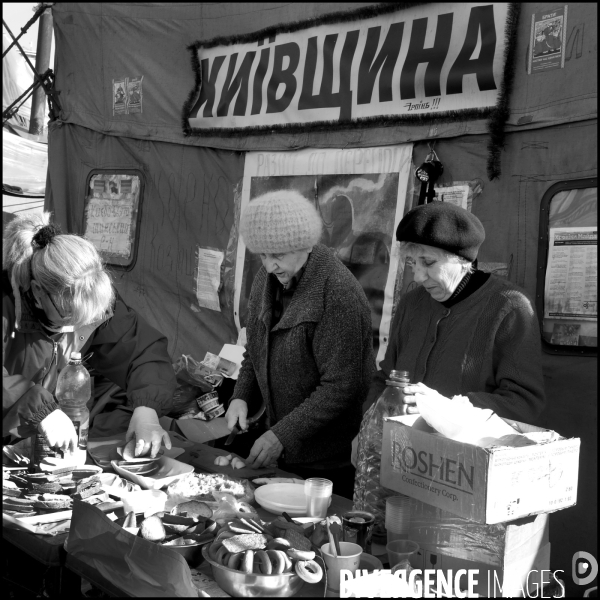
430, 60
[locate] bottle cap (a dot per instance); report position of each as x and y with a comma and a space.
399, 374
75, 355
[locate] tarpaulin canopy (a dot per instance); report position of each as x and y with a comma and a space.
99, 43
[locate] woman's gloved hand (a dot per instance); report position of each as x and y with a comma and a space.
59, 431
237, 414
148, 433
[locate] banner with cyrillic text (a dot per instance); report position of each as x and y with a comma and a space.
432, 60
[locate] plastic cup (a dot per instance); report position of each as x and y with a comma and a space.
318, 493
349, 559
400, 551
397, 517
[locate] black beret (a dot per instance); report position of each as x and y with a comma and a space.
443, 225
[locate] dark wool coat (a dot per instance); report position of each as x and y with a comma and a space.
313, 368
486, 347
126, 350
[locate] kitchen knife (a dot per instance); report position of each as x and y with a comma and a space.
251, 421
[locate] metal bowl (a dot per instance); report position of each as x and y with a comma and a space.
192, 553
252, 585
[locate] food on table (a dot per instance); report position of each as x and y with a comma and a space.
200, 486
38, 493
237, 463
152, 529
245, 541
54, 502
223, 461
129, 451
263, 554
309, 570
193, 509
130, 520
43, 488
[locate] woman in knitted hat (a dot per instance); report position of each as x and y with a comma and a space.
309, 355
461, 332
58, 298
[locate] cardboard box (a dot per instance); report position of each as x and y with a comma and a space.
512, 559
485, 485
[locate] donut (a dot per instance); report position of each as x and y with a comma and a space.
277, 561
289, 565
309, 570
213, 548
235, 560
278, 543
248, 562
295, 554
221, 554
266, 567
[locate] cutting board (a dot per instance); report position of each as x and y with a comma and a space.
205, 460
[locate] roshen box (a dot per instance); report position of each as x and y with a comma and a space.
485, 485
510, 559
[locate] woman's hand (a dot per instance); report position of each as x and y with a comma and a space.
59, 431
237, 412
148, 432
413, 391
265, 451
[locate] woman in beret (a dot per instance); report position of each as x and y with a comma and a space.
461, 332
309, 355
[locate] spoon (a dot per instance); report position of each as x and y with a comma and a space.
335, 531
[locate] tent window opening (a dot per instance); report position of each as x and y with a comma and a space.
112, 214
567, 288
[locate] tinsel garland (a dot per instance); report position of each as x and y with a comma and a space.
501, 111
498, 115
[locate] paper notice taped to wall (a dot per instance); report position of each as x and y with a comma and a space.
571, 278
208, 277
456, 194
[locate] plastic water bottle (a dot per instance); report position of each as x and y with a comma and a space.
369, 494
73, 390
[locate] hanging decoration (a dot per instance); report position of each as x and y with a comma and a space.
428, 173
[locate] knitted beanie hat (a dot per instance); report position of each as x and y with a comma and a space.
443, 225
280, 222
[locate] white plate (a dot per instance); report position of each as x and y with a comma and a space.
168, 471
278, 498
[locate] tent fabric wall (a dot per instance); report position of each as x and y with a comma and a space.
187, 201
99, 42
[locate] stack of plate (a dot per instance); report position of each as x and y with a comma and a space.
282, 497
143, 465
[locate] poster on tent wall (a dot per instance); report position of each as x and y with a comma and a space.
360, 194
381, 64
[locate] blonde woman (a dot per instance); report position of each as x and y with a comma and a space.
58, 298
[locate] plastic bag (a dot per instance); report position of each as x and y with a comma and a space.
192, 372
134, 565
193, 380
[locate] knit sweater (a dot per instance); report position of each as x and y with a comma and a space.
314, 367
486, 347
